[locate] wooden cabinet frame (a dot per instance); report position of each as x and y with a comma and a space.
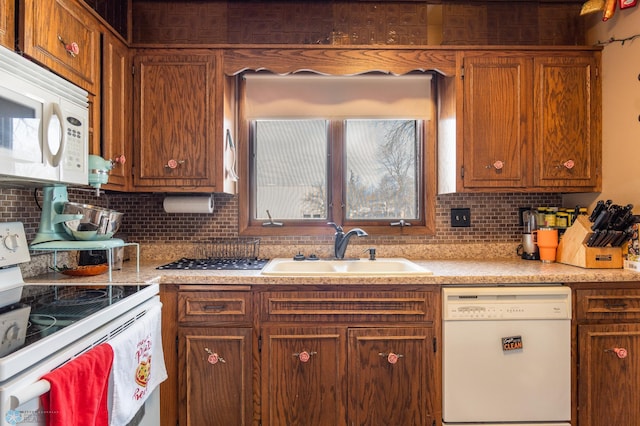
540, 131
607, 345
368, 344
49, 28
349, 336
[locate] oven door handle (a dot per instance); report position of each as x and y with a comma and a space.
29, 392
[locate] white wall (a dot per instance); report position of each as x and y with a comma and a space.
620, 109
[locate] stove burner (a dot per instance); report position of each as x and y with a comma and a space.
215, 264
40, 324
78, 297
86, 296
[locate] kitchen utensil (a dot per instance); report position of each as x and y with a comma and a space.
529, 245
94, 223
53, 222
99, 170
611, 223
596, 211
547, 240
83, 271
530, 221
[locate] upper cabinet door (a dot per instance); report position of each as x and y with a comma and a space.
174, 122
496, 136
117, 104
567, 130
63, 36
7, 23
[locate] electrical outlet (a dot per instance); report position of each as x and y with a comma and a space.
461, 217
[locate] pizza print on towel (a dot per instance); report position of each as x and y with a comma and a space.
138, 366
143, 370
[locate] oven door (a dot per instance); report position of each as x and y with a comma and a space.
20, 395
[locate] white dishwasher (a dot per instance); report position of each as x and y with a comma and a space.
506, 356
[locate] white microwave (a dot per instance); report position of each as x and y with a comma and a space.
44, 125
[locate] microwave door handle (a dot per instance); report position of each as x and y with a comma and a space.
56, 157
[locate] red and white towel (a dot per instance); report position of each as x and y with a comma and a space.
78, 394
138, 366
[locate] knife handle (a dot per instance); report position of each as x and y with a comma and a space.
611, 236
601, 237
592, 238
601, 220
620, 239
596, 211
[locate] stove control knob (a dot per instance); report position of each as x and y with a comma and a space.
12, 242
12, 333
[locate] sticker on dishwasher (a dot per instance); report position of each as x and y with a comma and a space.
511, 343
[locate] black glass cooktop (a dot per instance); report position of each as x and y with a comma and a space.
215, 264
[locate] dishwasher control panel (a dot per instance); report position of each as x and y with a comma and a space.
503, 303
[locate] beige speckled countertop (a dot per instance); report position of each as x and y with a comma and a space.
461, 272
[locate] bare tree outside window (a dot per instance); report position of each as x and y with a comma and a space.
382, 159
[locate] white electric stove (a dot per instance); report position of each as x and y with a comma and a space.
44, 332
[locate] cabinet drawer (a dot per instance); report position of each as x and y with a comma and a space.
349, 306
608, 304
202, 306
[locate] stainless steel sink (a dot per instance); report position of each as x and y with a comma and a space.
349, 267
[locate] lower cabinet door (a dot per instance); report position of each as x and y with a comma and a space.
215, 376
609, 375
303, 376
390, 370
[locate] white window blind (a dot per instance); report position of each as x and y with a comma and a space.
318, 96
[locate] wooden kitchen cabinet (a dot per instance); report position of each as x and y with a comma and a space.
215, 376
208, 335
497, 136
530, 122
178, 138
608, 330
117, 103
63, 36
567, 137
7, 23
349, 358
215, 370
391, 375
347, 375
303, 376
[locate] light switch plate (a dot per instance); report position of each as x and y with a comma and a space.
461, 217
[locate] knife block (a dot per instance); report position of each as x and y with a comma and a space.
573, 250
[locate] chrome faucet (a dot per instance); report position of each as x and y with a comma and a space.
342, 239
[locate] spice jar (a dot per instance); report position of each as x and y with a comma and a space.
562, 219
550, 217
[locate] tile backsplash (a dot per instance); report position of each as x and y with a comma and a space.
494, 218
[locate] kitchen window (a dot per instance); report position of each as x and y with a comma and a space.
358, 151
